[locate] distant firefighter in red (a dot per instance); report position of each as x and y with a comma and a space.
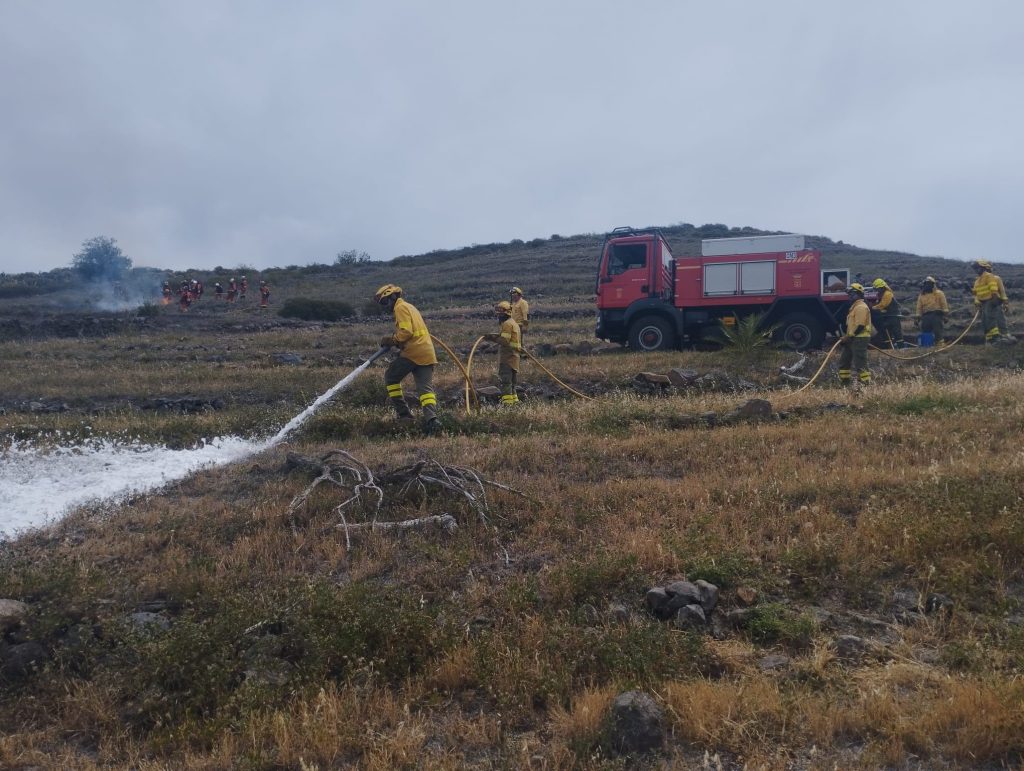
184, 297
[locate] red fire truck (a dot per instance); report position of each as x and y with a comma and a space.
650, 300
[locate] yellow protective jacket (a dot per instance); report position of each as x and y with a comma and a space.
934, 300
987, 286
859, 316
887, 304
521, 313
510, 344
411, 335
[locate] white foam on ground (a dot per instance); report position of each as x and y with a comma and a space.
40, 485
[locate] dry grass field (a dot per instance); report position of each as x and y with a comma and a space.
503, 643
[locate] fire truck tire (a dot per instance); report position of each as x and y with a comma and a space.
651, 333
800, 331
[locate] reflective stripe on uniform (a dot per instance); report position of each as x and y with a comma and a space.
508, 399
427, 400
395, 390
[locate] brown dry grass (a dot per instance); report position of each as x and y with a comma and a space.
474, 650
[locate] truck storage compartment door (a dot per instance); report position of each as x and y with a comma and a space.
721, 279
757, 277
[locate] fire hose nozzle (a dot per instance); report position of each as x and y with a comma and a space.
380, 352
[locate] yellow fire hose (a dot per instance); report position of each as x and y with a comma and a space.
937, 349
469, 378
551, 375
531, 357
832, 350
465, 373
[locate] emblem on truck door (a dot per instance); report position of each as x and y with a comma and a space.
790, 255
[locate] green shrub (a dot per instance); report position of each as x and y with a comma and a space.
923, 403
371, 310
748, 337
774, 623
309, 309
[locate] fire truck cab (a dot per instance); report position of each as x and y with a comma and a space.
650, 300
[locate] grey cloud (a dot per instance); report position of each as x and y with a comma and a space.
203, 133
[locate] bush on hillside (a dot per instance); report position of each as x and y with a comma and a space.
309, 309
101, 259
372, 310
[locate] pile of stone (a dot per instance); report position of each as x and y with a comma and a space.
676, 380
688, 605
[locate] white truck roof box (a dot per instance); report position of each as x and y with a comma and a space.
718, 247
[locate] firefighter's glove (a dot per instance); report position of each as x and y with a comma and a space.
492, 338
388, 341
1006, 307
844, 340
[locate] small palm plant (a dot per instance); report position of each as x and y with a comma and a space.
748, 338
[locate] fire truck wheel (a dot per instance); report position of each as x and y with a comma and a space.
800, 331
650, 333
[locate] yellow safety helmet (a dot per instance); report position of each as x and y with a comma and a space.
504, 307
385, 292
516, 290
929, 280
879, 283
855, 287
983, 264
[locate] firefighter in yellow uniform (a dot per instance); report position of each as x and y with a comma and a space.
990, 298
855, 341
932, 309
417, 357
509, 345
886, 314
520, 309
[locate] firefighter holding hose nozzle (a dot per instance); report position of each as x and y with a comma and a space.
417, 358
509, 345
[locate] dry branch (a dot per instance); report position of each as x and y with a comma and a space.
792, 369
445, 521
365, 490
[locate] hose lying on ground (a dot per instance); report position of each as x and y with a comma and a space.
817, 374
551, 375
937, 349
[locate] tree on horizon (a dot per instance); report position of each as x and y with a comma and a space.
101, 259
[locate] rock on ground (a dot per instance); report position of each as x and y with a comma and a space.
637, 722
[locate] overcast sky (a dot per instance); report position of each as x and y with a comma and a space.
211, 132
